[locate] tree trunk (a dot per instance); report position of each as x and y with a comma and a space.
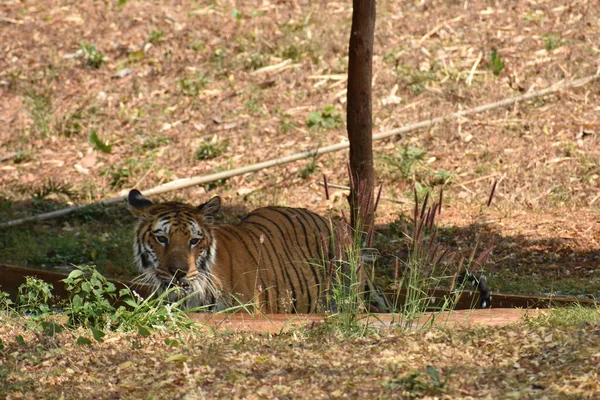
359, 111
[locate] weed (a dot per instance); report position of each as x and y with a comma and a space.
91, 296
424, 268
6, 304
92, 57
328, 118
218, 58
308, 170
50, 187
210, 150
560, 195
496, 62
565, 316
192, 86
156, 36
23, 156
286, 123
221, 182
292, 52
414, 78
119, 175
552, 41
348, 288
40, 109
252, 105
34, 296
71, 124
416, 386
5, 371
256, 61
92, 303
152, 143
405, 160
237, 14
97, 143
441, 177
197, 44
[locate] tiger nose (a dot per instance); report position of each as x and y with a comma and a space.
179, 270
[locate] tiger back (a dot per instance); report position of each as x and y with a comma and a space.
273, 258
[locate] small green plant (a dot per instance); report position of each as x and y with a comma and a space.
5, 371
156, 36
237, 14
71, 124
34, 296
93, 302
154, 142
120, 174
308, 170
496, 62
328, 118
197, 44
23, 156
210, 150
40, 109
441, 177
291, 52
6, 304
192, 86
91, 297
552, 41
405, 160
256, 60
218, 58
414, 78
418, 384
92, 57
286, 123
98, 143
50, 187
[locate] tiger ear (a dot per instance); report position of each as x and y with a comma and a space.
137, 202
209, 209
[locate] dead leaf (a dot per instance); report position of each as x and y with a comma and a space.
89, 160
177, 358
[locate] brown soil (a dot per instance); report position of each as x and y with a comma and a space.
277, 323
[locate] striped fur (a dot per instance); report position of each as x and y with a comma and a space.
272, 258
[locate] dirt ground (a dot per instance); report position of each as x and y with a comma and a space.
524, 361
190, 88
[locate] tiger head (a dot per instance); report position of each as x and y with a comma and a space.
174, 247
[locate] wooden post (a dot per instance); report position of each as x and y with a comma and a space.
359, 110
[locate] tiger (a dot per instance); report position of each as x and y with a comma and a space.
277, 258
273, 258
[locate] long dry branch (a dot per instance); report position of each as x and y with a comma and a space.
198, 180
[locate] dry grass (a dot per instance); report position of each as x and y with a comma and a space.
518, 361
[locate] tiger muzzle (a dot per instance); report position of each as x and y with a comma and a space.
178, 269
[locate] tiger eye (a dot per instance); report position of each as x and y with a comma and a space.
162, 240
